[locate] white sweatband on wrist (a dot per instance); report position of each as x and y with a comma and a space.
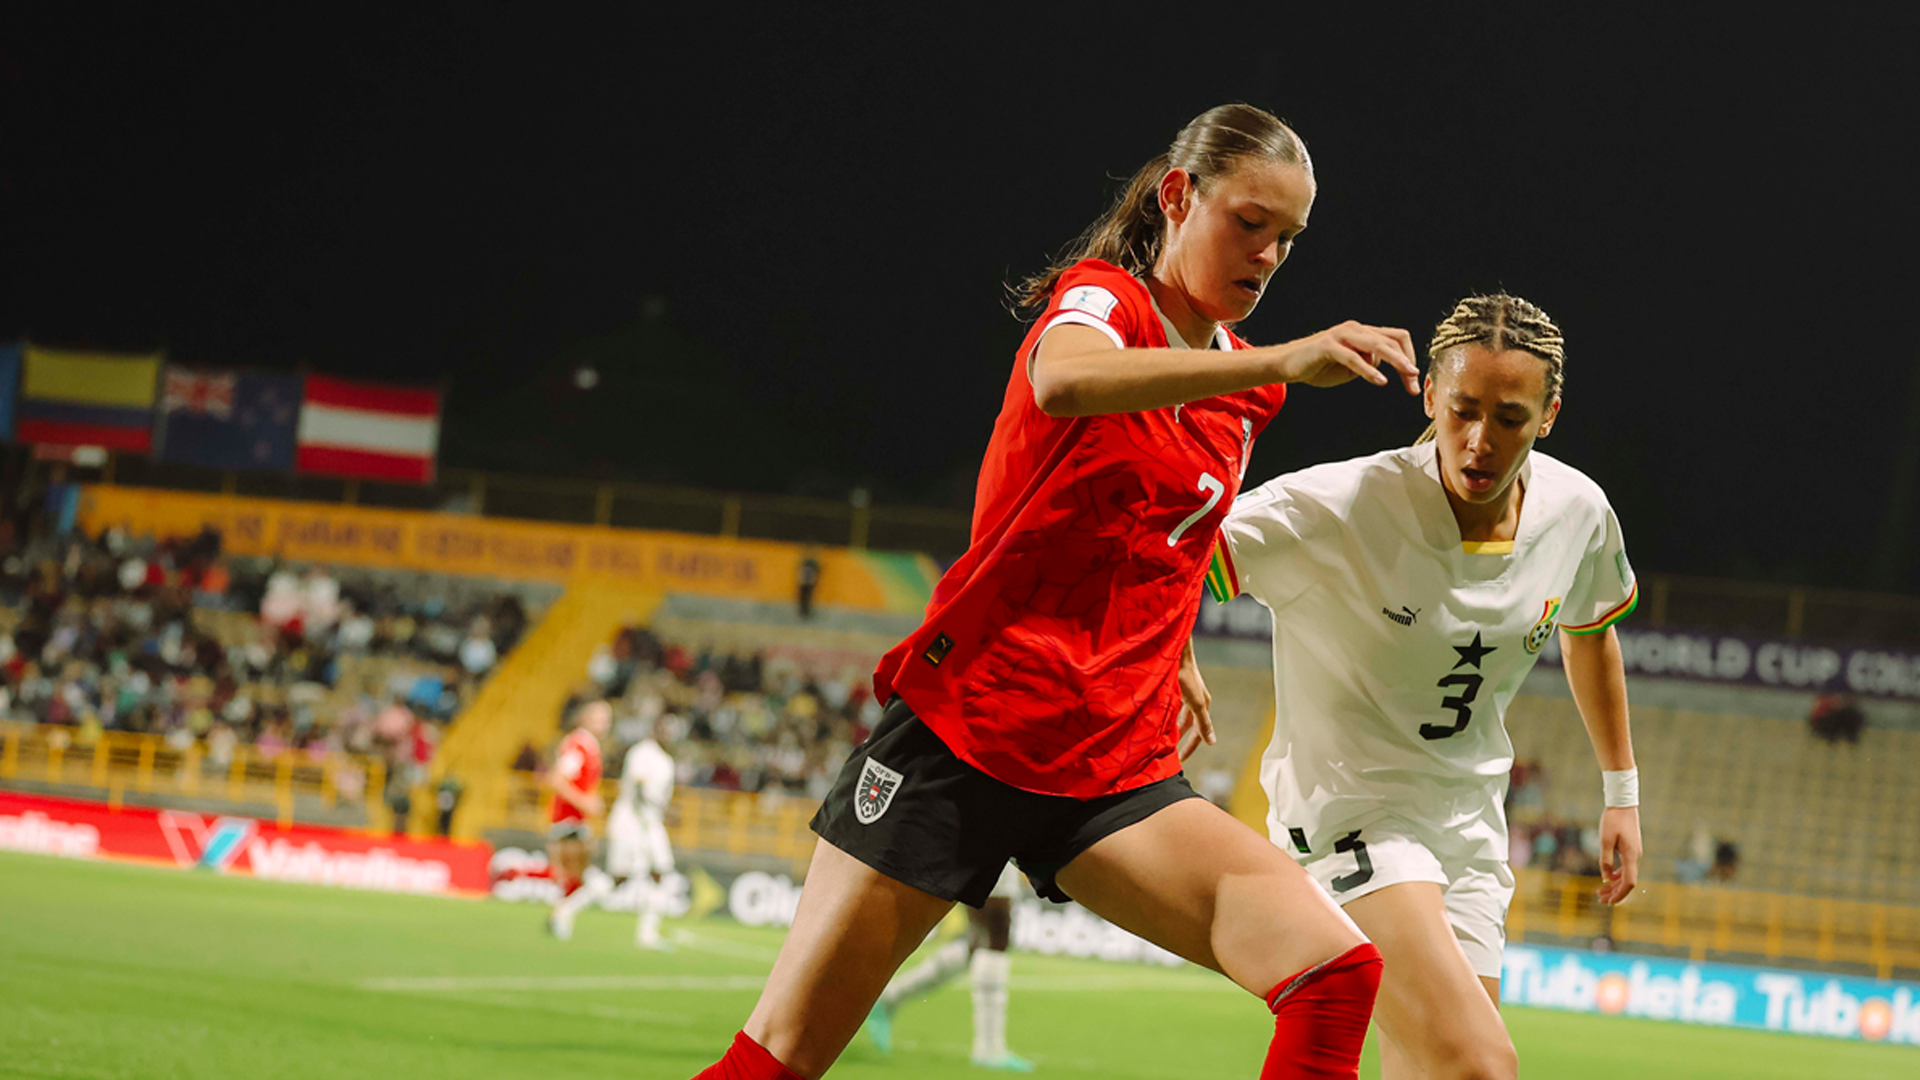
1622, 787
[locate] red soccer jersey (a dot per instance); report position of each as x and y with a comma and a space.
579, 763
1049, 655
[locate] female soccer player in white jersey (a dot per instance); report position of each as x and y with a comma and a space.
1034, 713
1411, 593
637, 847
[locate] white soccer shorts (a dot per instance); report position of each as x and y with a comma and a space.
1389, 852
637, 845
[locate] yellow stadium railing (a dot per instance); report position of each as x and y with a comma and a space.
521, 703
119, 762
1701, 921
1713, 921
1705, 922
730, 824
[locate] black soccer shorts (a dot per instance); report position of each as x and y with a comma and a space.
907, 806
575, 829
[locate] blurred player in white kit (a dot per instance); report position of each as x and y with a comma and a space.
637, 845
982, 953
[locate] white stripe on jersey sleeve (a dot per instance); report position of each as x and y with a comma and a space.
1081, 318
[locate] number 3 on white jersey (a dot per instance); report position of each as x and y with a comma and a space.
1207, 484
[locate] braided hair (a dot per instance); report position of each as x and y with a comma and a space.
1499, 322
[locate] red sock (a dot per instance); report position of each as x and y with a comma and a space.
748, 1060
1320, 1018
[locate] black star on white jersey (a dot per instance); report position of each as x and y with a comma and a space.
1472, 654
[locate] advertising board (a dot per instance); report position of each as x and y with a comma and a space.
189, 840
1716, 995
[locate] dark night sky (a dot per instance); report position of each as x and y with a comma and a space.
1718, 210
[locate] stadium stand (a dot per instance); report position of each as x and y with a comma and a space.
1808, 816
520, 705
166, 652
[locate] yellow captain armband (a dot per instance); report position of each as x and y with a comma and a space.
1223, 584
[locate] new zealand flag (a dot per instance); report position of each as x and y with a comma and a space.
226, 419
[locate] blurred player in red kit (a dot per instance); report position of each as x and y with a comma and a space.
575, 779
1034, 714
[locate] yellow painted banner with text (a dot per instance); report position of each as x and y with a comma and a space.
762, 570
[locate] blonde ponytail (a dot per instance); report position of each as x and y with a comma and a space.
1129, 235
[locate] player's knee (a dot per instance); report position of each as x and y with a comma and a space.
1485, 1059
1336, 940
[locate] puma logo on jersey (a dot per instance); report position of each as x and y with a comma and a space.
936, 652
1405, 616
875, 793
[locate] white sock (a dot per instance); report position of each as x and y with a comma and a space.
990, 1003
646, 899
946, 962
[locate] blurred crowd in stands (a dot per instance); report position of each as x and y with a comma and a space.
781, 722
1537, 839
167, 636
737, 721
1836, 718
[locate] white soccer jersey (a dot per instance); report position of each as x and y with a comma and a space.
646, 780
636, 826
1397, 647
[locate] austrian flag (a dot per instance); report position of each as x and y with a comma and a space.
368, 431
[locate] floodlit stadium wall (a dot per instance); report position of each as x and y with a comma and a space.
764, 570
1713, 995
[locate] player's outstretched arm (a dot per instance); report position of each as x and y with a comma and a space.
1598, 677
1196, 706
1078, 371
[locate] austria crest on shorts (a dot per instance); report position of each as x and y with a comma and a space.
875, 793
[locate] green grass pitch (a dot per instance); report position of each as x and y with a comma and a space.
111, 971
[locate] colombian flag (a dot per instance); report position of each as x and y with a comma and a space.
88, 399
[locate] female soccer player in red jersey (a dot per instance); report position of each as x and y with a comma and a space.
1034, 714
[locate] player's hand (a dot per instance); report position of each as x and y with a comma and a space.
1619, 842
1348, 351
1196, 706
594, 807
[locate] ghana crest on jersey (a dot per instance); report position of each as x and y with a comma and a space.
1398, 646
